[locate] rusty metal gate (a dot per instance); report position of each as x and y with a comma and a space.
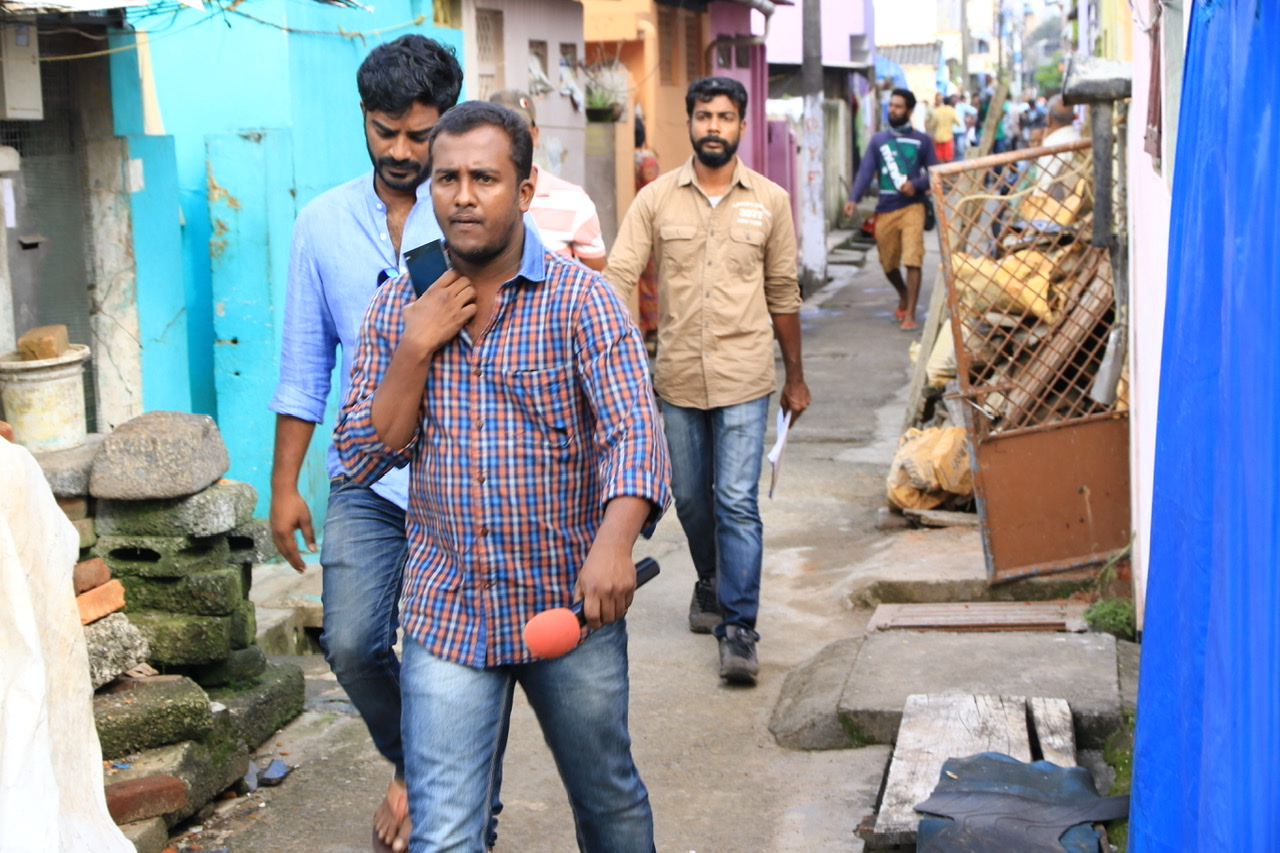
1032, 308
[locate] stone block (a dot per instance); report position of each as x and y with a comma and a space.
159, 455
162, 556
68, 471
100, 601
147, 836
244, 625
251, 543
179, 638
43, 342
260, 710
115, 646
84, 529
206, 769
90, 573
151, 796
142, 713
805, 716
225, 505
75, 508
205, 594
241, 668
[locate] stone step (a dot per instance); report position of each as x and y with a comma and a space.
142, 713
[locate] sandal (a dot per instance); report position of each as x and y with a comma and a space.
899, 315
908, 325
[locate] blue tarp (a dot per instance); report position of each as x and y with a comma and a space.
892, 70
1207, 760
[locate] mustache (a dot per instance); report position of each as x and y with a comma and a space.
399, 165
698, 143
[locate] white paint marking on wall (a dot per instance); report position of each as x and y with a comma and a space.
10, 215
135, 176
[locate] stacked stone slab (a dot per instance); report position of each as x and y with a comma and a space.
182, 542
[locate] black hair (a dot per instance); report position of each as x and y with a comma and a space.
708, 88
906, 95
640, 135
466, 117
412, 68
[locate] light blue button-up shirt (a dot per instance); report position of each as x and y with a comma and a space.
340, 244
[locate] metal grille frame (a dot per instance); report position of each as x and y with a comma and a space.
1032, 310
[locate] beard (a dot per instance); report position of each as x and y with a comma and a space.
903, 121
417, 172
483, 254
714, 159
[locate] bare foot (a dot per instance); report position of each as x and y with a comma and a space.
391, 823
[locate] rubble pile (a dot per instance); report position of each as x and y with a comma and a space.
168, 546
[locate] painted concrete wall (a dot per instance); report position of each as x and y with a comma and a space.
840, 20
734, 19
233, 75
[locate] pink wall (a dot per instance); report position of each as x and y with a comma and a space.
840, 19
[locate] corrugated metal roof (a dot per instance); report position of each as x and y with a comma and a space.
929, 54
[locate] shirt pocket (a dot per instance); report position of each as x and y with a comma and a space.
745, 256
679, 249
542, 405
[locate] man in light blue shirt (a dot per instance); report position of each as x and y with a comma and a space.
345, 243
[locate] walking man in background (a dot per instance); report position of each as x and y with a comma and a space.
516, 389
727, 287
341, 240
564, 213
944, 130
900, 158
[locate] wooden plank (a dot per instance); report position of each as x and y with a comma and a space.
1051, 719
981, 616
935, 728
942, 517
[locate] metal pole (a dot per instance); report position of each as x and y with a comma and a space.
964, 46
813, 225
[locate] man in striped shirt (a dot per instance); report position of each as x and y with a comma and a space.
516, 390
565, 215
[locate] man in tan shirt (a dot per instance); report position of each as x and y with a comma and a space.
726, 250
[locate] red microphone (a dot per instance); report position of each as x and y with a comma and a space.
553, 633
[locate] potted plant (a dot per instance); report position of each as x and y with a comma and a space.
605, 97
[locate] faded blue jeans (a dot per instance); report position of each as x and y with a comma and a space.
715, 479
455, 723
363, 562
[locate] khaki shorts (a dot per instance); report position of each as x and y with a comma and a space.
900, 237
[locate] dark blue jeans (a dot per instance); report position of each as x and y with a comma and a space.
715, 478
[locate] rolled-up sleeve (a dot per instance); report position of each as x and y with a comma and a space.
364, 455
630, 254
310, 338
613, 368
781, 286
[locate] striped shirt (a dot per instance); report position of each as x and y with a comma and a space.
566, 217
527, 431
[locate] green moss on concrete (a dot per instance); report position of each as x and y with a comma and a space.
244, 625
155, 712
205, 594
240, 670
1118, 752
179, 639
859, 737
162, 556
259, 710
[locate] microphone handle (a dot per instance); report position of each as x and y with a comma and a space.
646, 570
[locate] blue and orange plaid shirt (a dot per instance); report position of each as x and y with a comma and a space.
526, 433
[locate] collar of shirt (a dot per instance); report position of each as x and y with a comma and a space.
688, 175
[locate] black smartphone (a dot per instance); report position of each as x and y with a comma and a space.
426, 264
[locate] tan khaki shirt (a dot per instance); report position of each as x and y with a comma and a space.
721, 272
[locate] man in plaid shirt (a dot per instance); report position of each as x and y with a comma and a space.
516, 389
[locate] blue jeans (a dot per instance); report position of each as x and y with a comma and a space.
363, 562
715, 478
455, 721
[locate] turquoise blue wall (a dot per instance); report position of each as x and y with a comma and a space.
271, 118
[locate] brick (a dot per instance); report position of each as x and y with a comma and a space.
242, 667
225, 505
115, 646
183, 639
162, 556
207, 767
88, 536
159, 455
150, 796
100, 601
142, 713
90, 573
75, 508
43, 342
205, 594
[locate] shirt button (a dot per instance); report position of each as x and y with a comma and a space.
708, 263
479, 423
382, 236
484, 531
480, 478
479, 371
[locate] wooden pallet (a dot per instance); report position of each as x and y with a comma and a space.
980, 616
938, 727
